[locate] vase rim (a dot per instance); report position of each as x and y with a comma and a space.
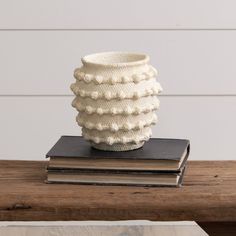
115, 59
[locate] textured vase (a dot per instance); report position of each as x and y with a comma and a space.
116, 96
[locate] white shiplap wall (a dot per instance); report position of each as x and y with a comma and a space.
192, 43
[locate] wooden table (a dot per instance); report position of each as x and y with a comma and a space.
207, 197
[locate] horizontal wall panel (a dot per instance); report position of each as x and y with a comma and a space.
189, 62
30, 126
57, 14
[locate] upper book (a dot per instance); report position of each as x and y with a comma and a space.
158, 154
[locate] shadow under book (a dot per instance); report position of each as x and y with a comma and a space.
160, 162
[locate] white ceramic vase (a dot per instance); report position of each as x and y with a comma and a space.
116, 99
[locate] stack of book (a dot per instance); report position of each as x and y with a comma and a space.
160, 162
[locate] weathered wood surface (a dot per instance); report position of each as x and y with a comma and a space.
208, 195
104, 228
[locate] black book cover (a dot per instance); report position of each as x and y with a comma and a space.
154, 149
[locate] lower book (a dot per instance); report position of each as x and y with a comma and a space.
107, 177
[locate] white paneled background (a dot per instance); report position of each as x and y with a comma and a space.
191, 43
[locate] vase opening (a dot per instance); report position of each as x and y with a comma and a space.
115, 59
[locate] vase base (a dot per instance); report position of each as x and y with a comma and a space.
116, 147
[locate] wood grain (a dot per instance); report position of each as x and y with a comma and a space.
208, 194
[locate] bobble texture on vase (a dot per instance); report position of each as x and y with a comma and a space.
116, 96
